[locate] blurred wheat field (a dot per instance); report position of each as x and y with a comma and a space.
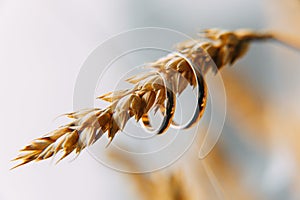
217, 176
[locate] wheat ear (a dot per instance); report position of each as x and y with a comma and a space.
150, 91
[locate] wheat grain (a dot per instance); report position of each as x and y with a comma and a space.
154, 90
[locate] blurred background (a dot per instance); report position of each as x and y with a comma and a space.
44, 45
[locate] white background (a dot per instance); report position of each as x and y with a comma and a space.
42, 47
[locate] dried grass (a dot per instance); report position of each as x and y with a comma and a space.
164, 184
156, 90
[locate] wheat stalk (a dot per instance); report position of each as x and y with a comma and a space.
168, 186
164, 184
154, 90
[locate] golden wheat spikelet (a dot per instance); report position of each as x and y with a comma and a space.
154, 90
